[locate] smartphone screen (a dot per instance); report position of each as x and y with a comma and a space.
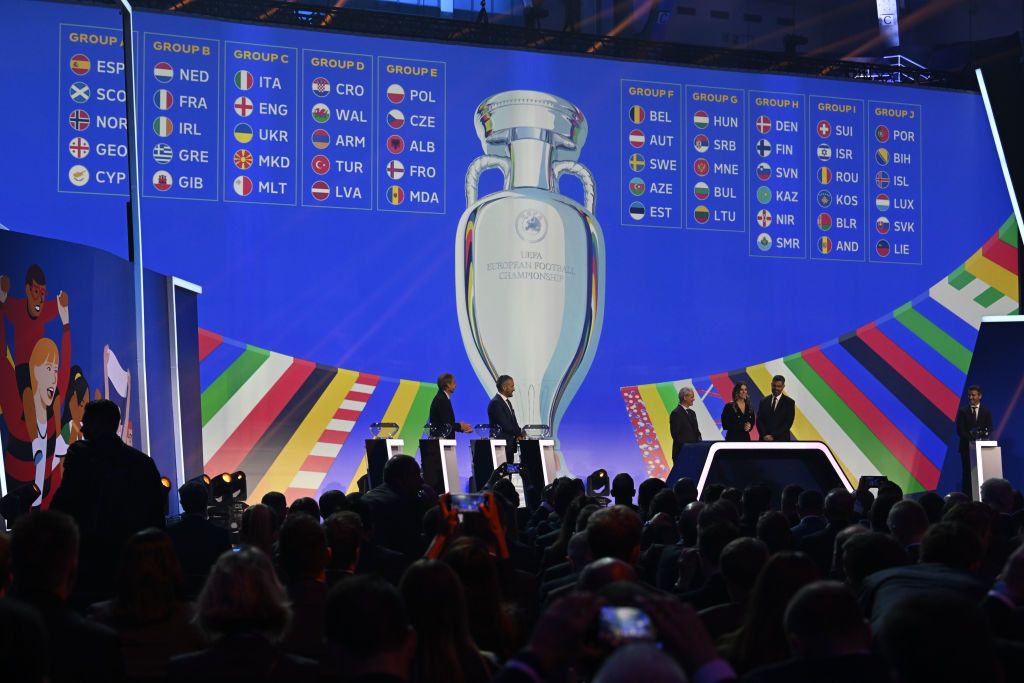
513, 468
620, 625
467, 502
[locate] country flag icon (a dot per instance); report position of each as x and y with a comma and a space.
701, 191
882, 225
882, 202
824, 152
320, 113
882, 156
244, 106
636, 138
162, 153
396, 119
882, 248
763, 148
395, 195
764, 194
637, 211
242, 159
79, 147
395, 144
700, 119
320, 190
763, 124
764, 241
163, 99
701, 143
824, 129
824, 199
824, 221
80, 64
701, 214
882, 180
79, 92
163, 181
242, 186
825, 244
244, 80
882, 134
78, 175
764, 171
243, 133
163, 126
637, 114
320, 164
163, 72
764, 218
395, 169
321, 86
320, 138
396, 93
701, 167
637, 186
79, 120
824, 175
637, 162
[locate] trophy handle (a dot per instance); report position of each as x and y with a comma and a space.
476, 169
577, 169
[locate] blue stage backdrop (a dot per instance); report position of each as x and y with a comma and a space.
364, 214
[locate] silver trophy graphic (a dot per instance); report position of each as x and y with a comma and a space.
529, 262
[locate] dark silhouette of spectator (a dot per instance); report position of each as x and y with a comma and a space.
492, 623
868, 552
829, 638
809, 506
932, 504
259, 528
614, 532
838, 570
149, 611
373, 557
303, 556
344, 532
998, 495
788, 504
645, 494
820, 545
436, 605
661, 527
332, 501
688, 523
908, 522
623, 490
710, 544
555, 552
396, 508
5, 562
685, 490
980, 518
44, 557
305, 505
755, 500
111, 491
276, 501
24, 650
740, 564
773, 528
734, 496
888, 495
1001, 605
711, 493
368, 622
243, 609
761, 640
198, 542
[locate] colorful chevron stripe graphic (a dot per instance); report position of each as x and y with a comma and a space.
912, 363
284, 421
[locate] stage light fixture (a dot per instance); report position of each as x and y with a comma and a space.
227, 488
166, 483
598, 483
18, 502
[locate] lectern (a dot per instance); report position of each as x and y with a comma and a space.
440, 465
380, 449
986, 463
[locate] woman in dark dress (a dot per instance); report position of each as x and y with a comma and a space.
738, 416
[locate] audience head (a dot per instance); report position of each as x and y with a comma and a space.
615, 532
259, 528
149, 585
648, 489
790, 496
623, 489
839, 506
568, 491
888, 495
436, 606
640, 661
810, 503
932, 504
953, 545
604, 571
44, 554
824, 619
773, 528
306, 506
741, 561
865, 553
332, 501
734, 496
838, 544
402, 475
302, 548
344, 532
242, 595
685, 490
578, 552
907, 522
276, 501
194, 497
101, 418
367, 620
711, 541
998, 495
721, 511
688, 522
952, 499
711, 493
977, 517
756, 499
665, 501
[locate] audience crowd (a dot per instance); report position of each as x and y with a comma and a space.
398, 584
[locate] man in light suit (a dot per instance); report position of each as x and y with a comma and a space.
776, 413
972, 422
442, 415
501, 415
683, 422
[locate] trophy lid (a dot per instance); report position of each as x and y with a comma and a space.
530, 114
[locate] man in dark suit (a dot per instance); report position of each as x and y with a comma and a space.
683, 422
776, 413
442, 415
197, 541
973, 421
501, 415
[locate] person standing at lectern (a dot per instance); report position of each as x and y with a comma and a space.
442, 415
738, 415
683, 422
501, 415
973, 422
776, 413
